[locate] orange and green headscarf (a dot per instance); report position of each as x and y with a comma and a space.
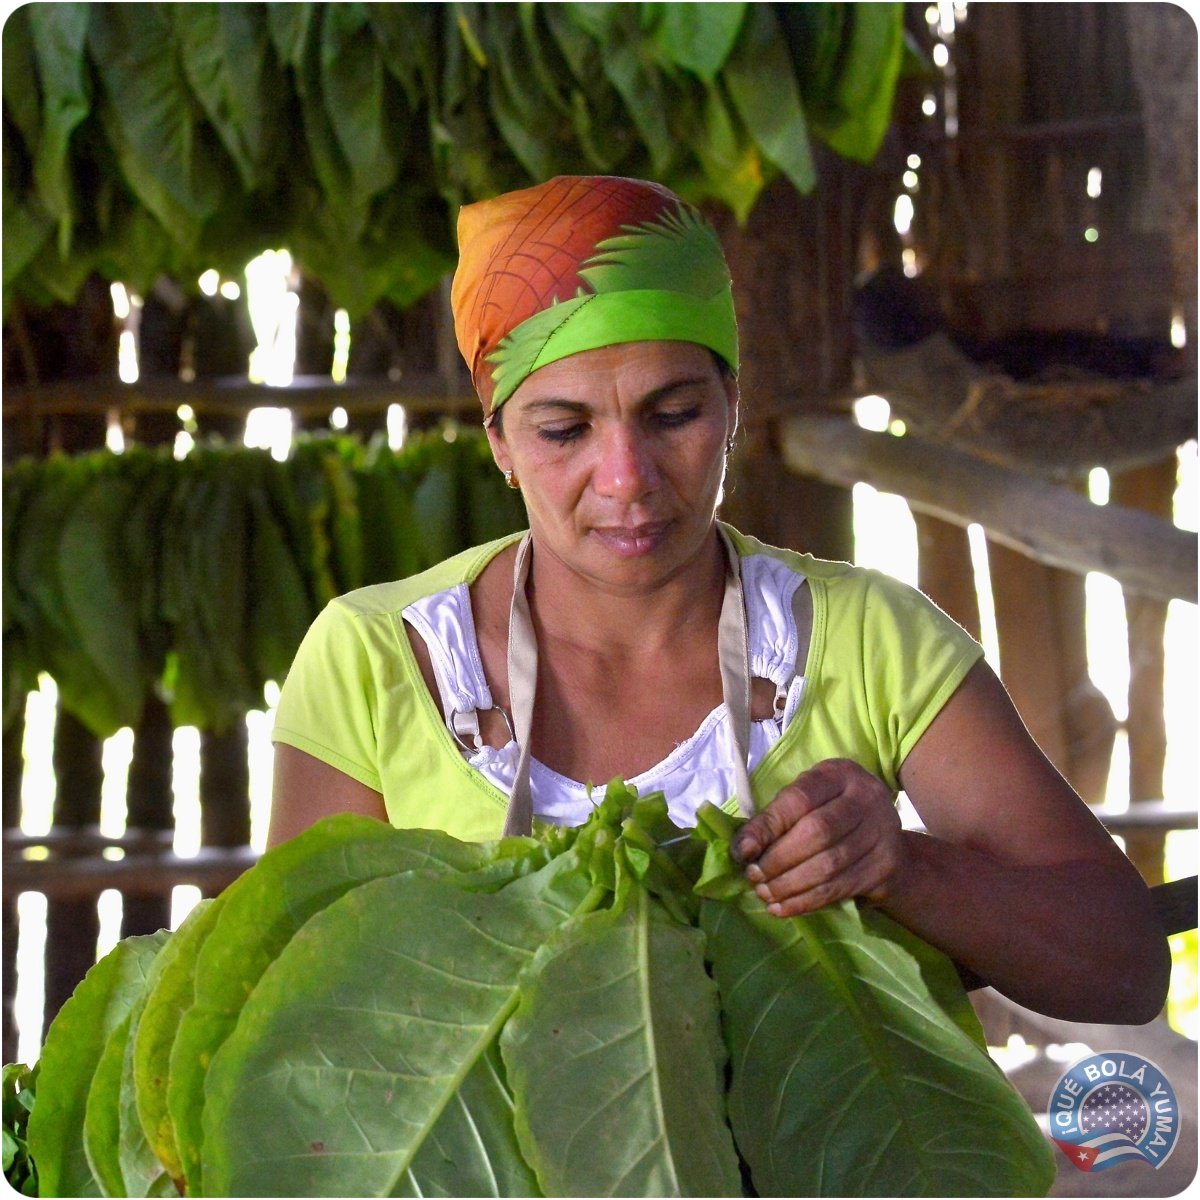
581, 262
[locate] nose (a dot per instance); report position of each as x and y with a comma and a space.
625, 469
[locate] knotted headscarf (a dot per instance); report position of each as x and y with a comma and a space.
581, 262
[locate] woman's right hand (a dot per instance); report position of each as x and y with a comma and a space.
831, 834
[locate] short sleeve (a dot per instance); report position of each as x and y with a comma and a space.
914, 658
328, 706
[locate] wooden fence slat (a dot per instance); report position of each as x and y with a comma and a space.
148, 808
13, 768
81, 880
1150, 489
72, 926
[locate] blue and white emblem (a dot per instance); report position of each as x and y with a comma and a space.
1112, 1108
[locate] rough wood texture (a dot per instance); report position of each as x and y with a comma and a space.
225, 788
72, 926
149, 807
1149, 490
1059, 430
140, 877
1047, 522
1043, 662
792, 266
1162, 45
945, 572
12, 768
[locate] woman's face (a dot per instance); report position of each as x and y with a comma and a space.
620, 454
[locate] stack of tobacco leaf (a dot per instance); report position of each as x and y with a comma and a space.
604, 1010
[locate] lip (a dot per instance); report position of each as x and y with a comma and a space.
633, 541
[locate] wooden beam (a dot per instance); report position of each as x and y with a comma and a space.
1059, 430
83, 879
417, 391
1047, 522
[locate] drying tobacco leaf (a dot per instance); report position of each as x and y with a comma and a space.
74, 1046
607, 1009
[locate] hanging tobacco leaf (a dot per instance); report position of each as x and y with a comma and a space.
163, 138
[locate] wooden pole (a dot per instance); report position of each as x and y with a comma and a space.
945, 572
225, 788
1151, 490
148, 807
792, 266
12, 771
72, 926
1044, 521
1043, 662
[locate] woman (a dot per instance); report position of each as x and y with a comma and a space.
668, 649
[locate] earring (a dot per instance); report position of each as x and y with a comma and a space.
729, 444
512, 481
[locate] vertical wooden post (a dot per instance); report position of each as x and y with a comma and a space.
72, 926
1151, 489
1043, 662
793, 267
148, 805
945, 572
225, 787
224, 766
12, 770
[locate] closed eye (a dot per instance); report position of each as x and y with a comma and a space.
673, 418
560, 435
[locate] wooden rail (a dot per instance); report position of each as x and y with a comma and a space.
424, 392
137, 873
1045, 521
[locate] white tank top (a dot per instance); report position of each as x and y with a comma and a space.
697, 770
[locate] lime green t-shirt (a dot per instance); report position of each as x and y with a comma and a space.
882, 662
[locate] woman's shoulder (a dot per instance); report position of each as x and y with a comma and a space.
807, 565
393, 597
852, 593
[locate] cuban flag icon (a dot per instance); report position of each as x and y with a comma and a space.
1114, 1108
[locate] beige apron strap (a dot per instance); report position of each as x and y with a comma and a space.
732, 652
522, 685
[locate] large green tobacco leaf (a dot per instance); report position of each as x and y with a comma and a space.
615, 1056
120, 1156
260, 913
848, 1075
151, 119
59, 35
774, 116
353, 82
74, 1046
100, 601
224, 53
170, 992
853, 109
361, 1034
170, 138
102, 1117
19, 79
696, 37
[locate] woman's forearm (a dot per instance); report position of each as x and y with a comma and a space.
1020, 928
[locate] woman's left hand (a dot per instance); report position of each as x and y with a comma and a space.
831, 834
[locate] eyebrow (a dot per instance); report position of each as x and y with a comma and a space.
579, 406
